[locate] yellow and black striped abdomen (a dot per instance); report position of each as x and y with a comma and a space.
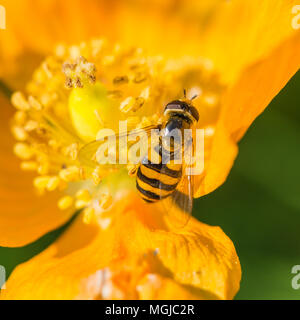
157, 181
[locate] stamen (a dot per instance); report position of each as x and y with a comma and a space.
145, 93
53, 183
83, 195
65, 203
20, 117
54, 144
34, 103
99, 118
23, 151
31, 125
132, 104
79, 72
82, 173
46, 68
140, 77
72, 151
70, 174
127, 105
120, 80
96, 175
41, 182
18, 100
88, 215
29, 166
19, 133
114, 94
43, 168
105, 201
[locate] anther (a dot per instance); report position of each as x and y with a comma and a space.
41, 182
88, 215
132, 104
139, 102
20, 117
127, 104
31, 125
46, 68
114, 94
18, 100
69, 174
120, 80
34, 103
96, 176
19, 133
82, 174
23, 151
72, 151
145, 93
83, 195
65, 202
43, 168
53, 183
139, 77
29, 165
105, 201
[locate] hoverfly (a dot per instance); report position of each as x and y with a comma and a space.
167, 182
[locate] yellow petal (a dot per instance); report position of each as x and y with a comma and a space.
217, 167
24, 216
243, 102
261, 55
258, 85
136, 257
241, 32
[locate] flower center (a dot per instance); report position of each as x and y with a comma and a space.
81, 89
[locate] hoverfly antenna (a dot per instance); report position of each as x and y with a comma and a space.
184, 93
194, 97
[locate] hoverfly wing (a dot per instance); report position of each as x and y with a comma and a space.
87, 154
179, 205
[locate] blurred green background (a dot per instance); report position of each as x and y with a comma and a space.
258, 207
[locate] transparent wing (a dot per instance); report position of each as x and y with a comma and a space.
87, 154
179, 205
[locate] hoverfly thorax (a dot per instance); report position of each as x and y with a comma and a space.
181, 115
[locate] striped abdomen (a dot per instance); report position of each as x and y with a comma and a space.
157, 181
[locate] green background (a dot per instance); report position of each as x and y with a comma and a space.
258, 207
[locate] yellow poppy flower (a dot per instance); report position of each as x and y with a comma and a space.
236, 55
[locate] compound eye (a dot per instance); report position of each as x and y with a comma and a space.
194, 112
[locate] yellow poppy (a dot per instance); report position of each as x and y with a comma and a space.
236, 55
